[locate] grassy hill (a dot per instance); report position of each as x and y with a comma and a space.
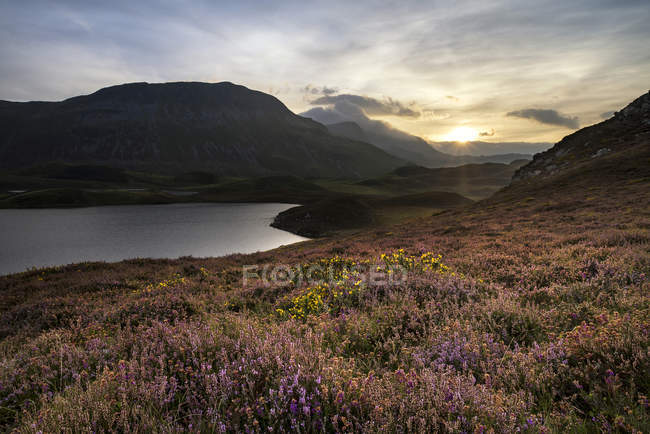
526, 312
344, 212
475, 181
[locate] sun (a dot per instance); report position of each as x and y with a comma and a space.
462, 135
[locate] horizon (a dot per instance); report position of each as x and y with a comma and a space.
471, 146
498, 72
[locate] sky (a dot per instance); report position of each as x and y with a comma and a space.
495, 71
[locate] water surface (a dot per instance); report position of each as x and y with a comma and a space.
45, 237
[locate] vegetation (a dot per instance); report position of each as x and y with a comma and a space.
67, 197
525, 312
529, 312
348, 212
329, 205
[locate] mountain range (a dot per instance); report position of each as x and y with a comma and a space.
357, 126
221, 128
174, 127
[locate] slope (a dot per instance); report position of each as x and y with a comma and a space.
176, 127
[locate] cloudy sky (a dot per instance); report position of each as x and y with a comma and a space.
493, 70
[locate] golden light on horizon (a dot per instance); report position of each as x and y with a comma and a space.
462, 135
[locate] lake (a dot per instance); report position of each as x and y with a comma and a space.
46, 237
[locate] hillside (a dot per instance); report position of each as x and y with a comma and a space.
350, 130
526, 312
627, 129
178, 127
338, 213
476, 181
408, 147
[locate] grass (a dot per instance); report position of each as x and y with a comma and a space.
332, 206
534, 318
343, 213
62, 197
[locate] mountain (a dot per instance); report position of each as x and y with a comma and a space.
399, 143
491, 149
175, 127
348, 129
381, 134
628, 131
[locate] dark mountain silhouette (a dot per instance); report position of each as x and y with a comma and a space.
221, 128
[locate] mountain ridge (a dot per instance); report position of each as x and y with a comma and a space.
628, 128
400, 143
221, 127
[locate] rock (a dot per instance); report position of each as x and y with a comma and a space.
601, 152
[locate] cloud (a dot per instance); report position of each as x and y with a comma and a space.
325, 116
328, 90
434, 114
381, 132
310, 89
546, 116
371, 106
344, 111
315, 90
551, 49
607, 115
487, 133
453, 98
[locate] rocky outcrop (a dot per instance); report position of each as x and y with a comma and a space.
627, 128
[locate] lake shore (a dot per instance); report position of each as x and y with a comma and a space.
42, 237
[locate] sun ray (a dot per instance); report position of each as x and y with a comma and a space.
462, 135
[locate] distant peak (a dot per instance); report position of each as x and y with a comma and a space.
639, 108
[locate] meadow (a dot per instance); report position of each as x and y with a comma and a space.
526, 312
334, 205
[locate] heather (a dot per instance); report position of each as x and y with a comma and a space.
519, 314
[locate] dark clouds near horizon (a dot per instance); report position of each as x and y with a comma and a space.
344, 109
356, 108
371, 106
315, 90
547, 116
487, 133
